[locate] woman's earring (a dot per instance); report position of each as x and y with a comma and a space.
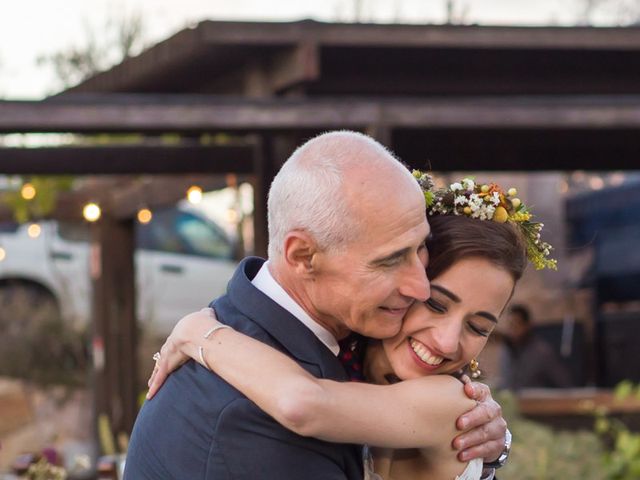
474, 367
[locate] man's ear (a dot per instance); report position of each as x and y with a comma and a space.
299, 251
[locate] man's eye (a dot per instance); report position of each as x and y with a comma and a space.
435, 306
391, 262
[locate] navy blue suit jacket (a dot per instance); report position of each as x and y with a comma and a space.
199, 427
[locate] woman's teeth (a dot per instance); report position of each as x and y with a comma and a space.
425, 355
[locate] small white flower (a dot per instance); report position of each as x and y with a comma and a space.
456, 186
495, 198
468, 184
475, 199
460, 200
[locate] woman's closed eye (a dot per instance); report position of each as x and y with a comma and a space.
479, 330
435, 306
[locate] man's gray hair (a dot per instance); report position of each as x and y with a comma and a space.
309, 193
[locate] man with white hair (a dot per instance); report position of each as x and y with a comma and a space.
347, 226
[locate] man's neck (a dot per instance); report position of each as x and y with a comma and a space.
295, 288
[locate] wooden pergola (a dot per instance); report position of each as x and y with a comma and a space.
449, 97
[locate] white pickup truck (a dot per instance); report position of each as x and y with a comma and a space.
183, 260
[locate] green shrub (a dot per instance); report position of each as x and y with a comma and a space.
622, 459
542, 453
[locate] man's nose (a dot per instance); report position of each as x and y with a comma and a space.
414, 282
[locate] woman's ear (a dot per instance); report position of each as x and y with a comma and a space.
299, 251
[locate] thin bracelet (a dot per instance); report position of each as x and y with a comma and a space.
489, 476
214, 329
206, 336
203, 362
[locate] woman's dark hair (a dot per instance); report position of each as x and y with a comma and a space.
454, 237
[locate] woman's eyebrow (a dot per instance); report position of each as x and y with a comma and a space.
488, 316
446, 292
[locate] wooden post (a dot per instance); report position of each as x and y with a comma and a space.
273, 152
115, 336
263, 174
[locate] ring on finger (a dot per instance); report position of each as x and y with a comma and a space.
156, 356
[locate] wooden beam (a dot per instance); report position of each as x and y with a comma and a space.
297, 65
518, 149
475, 36
284, 70
127, 159
577, 401
157, 113
143, 69
198, 57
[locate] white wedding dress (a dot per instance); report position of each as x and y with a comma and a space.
472, 472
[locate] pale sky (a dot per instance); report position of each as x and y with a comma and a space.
32, 28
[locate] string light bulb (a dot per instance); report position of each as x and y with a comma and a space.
144, 215
3, 254
34, 230
91, 212
596, 183
28, 191
194, 194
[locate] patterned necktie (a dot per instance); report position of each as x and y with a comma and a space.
352, 356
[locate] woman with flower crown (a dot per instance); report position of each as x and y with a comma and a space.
481, 239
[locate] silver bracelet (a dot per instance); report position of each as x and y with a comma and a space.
502, 459
214, 329
490, 476
206, 336
203, 362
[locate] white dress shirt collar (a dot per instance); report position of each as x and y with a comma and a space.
268, 285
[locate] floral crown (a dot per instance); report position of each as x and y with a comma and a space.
487, 202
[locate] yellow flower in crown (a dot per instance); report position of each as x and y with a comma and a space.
488, 202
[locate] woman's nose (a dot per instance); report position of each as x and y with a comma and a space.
447, 337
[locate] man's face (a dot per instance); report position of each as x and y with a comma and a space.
369, 287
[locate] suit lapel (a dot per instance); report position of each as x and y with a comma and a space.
292, 334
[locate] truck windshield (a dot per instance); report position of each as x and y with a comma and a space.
178, 231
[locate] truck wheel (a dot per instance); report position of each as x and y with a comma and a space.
24, 308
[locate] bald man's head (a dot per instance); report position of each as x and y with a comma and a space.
318, 188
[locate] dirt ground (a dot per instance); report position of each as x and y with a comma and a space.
33, 418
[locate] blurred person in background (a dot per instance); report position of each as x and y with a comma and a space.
528, 360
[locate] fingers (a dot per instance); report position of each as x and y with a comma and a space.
484, 412
477, 391
489, 451
485, 435
485, 441
170, 359
158, 376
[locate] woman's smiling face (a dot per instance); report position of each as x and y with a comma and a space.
443, 334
